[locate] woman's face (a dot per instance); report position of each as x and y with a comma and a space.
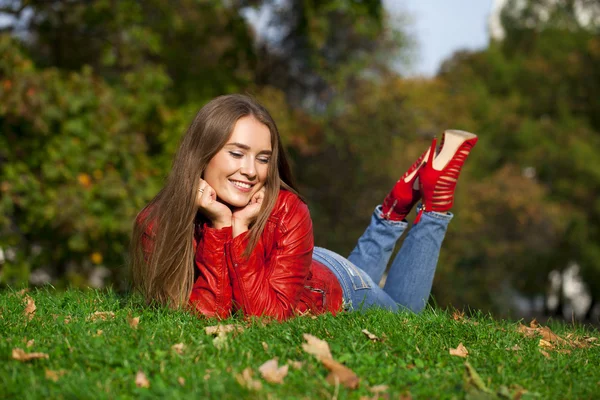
239, 169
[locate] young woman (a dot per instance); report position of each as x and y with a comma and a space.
229, 231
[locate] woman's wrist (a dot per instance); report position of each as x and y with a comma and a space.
238, 226
219, 224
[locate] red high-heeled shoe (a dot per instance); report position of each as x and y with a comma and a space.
405, 193
438, 177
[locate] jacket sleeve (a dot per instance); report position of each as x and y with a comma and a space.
271, 284
211, 293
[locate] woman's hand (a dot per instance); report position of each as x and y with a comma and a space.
206, 201
243, 217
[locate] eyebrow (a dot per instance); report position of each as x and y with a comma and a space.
246, 147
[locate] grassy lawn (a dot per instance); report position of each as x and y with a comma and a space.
100, 355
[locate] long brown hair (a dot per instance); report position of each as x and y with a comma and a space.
165, 274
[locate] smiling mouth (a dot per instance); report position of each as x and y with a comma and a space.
243, 186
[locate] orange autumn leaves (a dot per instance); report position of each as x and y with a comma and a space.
550, 341
271, 371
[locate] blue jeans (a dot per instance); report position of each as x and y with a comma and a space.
410, 277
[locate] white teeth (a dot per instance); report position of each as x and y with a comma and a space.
242, 185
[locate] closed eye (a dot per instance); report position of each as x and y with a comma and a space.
263, 160
235, 154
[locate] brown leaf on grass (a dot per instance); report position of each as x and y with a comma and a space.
379, 389
526, 331
99, 332
101, 315
265, 346
220, 341
68, 320
550, 336
295, 364
30, 343
271, 372
545, 353
54, 375
534, 324
245, 380
141, 380
29, 307
133, 322
20, 355
22, 292
546, 344
217, 329
405, 396
460, 351
178, 348
516, 347
371, 336
458, 315
316, 347
181, 381
340, 373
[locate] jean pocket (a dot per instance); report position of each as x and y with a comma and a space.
357, 276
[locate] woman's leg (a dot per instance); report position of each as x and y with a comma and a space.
411, 274
374, 248
359, 290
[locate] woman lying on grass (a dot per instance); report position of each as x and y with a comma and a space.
229, 230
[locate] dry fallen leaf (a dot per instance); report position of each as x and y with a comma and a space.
265, 346
30, 342
340, 373
526, 331
271, 372
546, 344
379, 389
295, 364
534, 324
181, 381
458, 315
550, 336
316, 347
99, 332
133, 322
460, 351
54, 375
178, 348
246, 380
545, 354
68, 320
101, 315
141, 381
29, 307
20, 355
217, 329
220, 341
516, 347
371, 336
22, 292
405, 396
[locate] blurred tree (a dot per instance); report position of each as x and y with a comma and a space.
74, 164
205, 47
535, 95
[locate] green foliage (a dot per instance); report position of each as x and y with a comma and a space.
76, 162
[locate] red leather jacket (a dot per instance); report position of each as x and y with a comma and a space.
278, 279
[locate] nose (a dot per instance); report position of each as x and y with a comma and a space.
248, 168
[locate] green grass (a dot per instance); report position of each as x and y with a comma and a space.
413, 358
